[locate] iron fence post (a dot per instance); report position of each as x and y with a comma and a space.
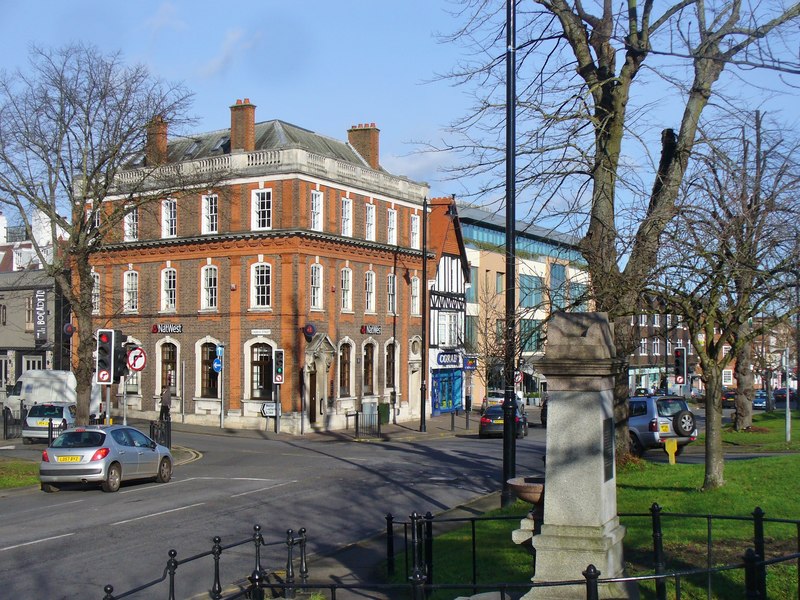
289, 593
452, 421
172, 566
109, 590
389, 544
216, 551
358, 414
758, 542
592, 575
256, 587
303, 561
429, 547
658, 551
50, 431
751, 575
258, 541
417, 571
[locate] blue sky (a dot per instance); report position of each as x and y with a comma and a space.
318, 64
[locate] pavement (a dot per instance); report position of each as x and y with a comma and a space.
357, 563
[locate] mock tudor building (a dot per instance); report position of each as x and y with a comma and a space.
303, 244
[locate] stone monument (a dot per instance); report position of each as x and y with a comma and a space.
580, 525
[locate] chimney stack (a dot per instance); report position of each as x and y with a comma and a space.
365, 138
155, 150
243, 126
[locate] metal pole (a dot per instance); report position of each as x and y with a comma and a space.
124, 400
222, 391
423, 390
509, 401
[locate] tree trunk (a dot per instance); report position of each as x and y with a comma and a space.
715, 459
744, 388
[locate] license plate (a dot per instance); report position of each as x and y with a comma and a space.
498, 421
68, 459
42, 423
665, 429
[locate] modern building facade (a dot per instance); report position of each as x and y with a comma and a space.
303, 244
550, 275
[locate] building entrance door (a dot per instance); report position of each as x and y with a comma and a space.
312, 397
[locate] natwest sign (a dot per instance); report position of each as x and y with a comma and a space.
371, 329
168, 328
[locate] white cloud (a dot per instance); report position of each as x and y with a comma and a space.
234, 45
166, 17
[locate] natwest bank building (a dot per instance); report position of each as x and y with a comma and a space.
284, 240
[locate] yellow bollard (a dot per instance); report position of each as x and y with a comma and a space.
671, 446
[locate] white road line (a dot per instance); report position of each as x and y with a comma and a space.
271, 487
36, 542
163, 512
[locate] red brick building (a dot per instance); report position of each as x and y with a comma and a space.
302, 243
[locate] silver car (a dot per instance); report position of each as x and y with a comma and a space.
39, 416
107, 455
654, 419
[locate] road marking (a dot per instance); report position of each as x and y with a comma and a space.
55, 537
271, 487
158, 514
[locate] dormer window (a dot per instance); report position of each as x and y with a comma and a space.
221, 142
192, 149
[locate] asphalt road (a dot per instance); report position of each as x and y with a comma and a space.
70, 544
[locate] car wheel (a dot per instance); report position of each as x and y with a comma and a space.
49, 488
683, 423
636, 446
113, 479
164, 471
520, 433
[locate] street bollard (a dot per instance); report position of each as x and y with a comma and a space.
592, 575
216, 552
172, 567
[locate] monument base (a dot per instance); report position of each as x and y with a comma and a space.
563, 552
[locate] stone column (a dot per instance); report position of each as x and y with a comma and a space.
580, 525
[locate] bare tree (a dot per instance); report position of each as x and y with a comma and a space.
733, 249
591, 77
69, 124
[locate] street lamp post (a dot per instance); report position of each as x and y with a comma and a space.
509, 401
423, 389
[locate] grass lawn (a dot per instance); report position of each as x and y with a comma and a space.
770, 483
18, 473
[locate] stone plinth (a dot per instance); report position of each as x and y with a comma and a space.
580, 525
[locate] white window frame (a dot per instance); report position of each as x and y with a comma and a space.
317, 202
656, 347
415, 296
131, 291
643, 347
210, 213
391, 294
643, 320
369, 292
347, 290
347, 217
169, 218
391, 226
414, 236
447, 324
95, 292
261, 209
131, 224
254, 286
209, 282
169, 289
369, 222
316, 286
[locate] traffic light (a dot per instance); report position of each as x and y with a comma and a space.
680, 366
277, 367
120, 359
104, 358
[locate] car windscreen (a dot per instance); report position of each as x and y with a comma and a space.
669, 407
46, 411
79, 439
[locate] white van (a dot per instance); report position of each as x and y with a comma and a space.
39, 386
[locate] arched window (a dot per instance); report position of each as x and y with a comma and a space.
261, 369
369, 370
169, 366
209, 378
344, 370
210, 291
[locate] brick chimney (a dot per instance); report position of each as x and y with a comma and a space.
243, 126
365, 138
155, 150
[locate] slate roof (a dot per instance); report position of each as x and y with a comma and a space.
270, 135
495, 220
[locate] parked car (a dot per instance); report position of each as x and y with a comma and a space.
37, 421
779, 395
492, 422
654, 419
641, 391
760, 400
492, 397
729, 399
107, 455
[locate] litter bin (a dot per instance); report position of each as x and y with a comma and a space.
383, 413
